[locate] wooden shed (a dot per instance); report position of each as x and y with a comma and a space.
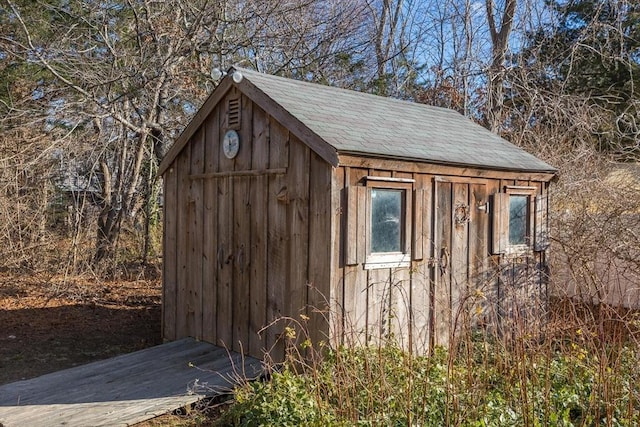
365, 218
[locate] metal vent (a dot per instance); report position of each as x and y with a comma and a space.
233, 114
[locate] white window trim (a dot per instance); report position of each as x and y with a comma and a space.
530, 192
391, 259
387, 260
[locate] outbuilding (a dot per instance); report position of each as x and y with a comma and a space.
354, 217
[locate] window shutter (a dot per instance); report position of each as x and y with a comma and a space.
418, 217
541, 232
406, 220
500, 238
355, 244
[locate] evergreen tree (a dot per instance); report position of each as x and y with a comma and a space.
591, 49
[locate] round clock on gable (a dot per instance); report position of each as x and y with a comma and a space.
231, 144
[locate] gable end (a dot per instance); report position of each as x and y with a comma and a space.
216, 96
271, 107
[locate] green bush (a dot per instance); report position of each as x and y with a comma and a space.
491, 387
285, 400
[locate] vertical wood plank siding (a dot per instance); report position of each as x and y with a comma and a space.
241, 220
278, 232
459, 254
243, 251
196, 243
356, 295
170, 261
320, 250
478, 250
259, 253
277, 238
442, 297
421, 305
338, 220
182, 237
210, 232
297, 279
420, 295
224, 259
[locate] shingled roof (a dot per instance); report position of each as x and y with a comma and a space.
350, 122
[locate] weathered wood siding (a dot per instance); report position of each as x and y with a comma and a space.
453, 278
278, 233
247, 240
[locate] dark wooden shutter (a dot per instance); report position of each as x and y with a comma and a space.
355, 244
500, 229
419, 214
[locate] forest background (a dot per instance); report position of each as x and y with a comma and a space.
94, 92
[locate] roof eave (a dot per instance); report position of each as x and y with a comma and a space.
320, 146
548, 174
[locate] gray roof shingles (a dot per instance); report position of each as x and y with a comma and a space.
360, 123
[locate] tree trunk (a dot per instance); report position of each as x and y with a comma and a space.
109, 225
496, 71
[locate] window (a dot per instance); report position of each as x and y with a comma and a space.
379, 223
387, 236
518, 220
386, 220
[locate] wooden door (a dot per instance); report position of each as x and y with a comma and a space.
460, 237
234, 298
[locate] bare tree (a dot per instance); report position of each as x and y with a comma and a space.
127, 75
500, 31
455, 59
551, 111
394, 32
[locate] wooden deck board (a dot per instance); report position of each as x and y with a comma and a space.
127, 389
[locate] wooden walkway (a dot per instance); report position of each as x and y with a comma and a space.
126, 389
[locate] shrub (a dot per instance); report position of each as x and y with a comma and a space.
492, 387
285, 400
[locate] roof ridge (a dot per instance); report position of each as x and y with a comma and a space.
316, 85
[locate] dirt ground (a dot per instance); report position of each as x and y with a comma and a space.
48, 324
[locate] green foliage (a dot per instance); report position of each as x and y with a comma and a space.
285, 400
599, 43
386, 386
493, 387
590, 49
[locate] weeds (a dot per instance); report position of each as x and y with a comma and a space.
566, 380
